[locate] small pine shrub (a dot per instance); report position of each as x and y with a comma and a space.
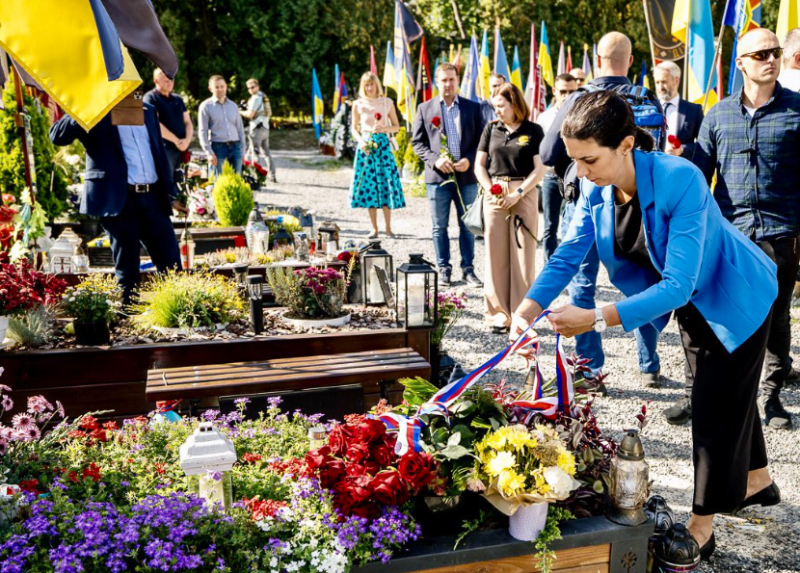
412, 160
233, 198
402, 143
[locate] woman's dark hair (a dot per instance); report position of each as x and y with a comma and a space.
607, 118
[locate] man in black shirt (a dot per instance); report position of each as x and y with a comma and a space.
176, 125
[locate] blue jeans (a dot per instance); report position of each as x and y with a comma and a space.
440, 197
551, 205
581, 290
230, 152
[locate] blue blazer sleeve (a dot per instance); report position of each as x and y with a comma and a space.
568, 257
688, 208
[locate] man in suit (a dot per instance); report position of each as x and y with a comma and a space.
461, 121
129, 186
683, 117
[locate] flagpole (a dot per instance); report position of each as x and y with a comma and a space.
19, 119
717, 54
649, 34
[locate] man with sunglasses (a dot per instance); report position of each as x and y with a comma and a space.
579, 75
565, 86
752, 140
259, 112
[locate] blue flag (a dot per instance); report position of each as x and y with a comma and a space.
500, 59
471, 84
317, 107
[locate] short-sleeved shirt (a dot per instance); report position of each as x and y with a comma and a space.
259, 103
170, 111
511, 153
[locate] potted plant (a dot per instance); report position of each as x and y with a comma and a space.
22, 289
93, 304
451, 308
233, 198
314, 296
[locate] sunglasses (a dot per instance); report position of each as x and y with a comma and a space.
565, 92
763, 55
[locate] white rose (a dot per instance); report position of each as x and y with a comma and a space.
561, 482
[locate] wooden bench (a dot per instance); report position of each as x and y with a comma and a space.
373, 370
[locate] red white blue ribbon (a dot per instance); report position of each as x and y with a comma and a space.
409, 429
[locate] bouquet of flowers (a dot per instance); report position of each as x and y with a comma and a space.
518, 467
451, 308
254, 173
201, 204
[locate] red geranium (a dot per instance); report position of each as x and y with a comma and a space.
436, 122
250, 458
260, 509
93, 471
30, 485
496, 189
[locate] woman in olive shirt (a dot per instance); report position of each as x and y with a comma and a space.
510, 145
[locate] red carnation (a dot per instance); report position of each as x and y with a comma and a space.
496, 189
436, 122
674, 141
418, 469
389, 488
378, 116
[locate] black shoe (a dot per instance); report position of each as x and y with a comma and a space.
679, 413
472, 279
775, 416
767, 497
793, 379
650, 379
500, 330
445, 276
707, 550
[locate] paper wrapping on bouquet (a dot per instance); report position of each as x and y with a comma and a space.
510, 505
409, 429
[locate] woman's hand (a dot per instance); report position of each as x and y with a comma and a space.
379, 128
518, 326
570, 320
508, 201
362, 145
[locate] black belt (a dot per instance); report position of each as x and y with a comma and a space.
504, 178
226, 142
140, 187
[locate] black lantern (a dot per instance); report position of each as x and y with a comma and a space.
255, 292
375, 263
417, 293
676, 550
328, 239
282, 238
660, 513
240, 274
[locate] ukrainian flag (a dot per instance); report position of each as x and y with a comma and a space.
545, 62
485, 67
587, 66
72, 50
516, 71
788, 18
388, 68
336, 92
500, 58
692, 25
317, 107
742, 16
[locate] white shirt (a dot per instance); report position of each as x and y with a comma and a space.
672, 114
545, 119
790, 79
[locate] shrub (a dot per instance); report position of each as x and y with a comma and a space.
309, 293
233, 198
22, 288
402, 143
412, 161
34, 328
94, 300
179, 300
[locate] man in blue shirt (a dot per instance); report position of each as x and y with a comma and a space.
176, 125
752, 140
128, 184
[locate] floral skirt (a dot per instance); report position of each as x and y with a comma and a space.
376, 182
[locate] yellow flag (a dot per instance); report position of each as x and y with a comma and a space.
788, 18
57, 43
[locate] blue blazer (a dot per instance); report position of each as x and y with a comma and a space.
106, 175
690, 117
427, 144
702, 258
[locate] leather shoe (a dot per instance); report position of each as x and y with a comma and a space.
471, 278
707, 550
445, 276
650, 379
793, 378
767, 497
679, 413
775, 415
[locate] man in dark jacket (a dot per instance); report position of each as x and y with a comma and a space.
128, 184
683, 117
461, 121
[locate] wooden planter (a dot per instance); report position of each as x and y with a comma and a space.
90, 379
590, 545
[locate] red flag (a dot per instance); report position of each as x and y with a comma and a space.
457, 61
569, 58
535, 91
373, 67
425, 73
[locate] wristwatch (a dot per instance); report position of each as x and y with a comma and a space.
599, 321
521, 191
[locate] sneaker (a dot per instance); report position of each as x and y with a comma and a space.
775, 416
650, 379
793, 379
472, 279
445, 276
679, 413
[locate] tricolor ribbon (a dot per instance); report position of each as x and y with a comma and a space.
409, 429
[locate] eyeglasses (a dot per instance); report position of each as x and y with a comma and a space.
252, 87
566, 92
763, 55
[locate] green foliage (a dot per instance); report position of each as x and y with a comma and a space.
418, 188
412, 160
12, 165
550, 533
95, 299
308, 293
178, 300
32, 329
233, 198
402, 144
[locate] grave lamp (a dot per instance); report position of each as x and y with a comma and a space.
255, 292
207, 458
328, 239
373, 259
629, 475
417, 293
187, 249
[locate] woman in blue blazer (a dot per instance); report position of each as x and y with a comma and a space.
667, 247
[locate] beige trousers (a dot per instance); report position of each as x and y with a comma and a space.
510, 270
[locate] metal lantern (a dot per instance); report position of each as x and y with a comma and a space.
256, 233
660, 513
316, 437
372, 259
282, 238
62, 251
417, 293
255, 292
630, 476
328, 239
207, 458
187, 249
240, 274
301, 245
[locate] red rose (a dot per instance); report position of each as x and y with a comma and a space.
383, 454
359, 487
496, 189
436, 122
389, 488
674, 141
378, 117
318, 458
337, 440
418, 469
356, 470
334, 471
357, 452
372, 467
371, 430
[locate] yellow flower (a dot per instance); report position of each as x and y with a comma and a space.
502, 461
511, 483
497, 440
519, 438
540, 484
523, 140
215, 309
566, 461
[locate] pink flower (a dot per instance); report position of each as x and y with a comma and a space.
39, 404
60, 409
31, 433
22, 421
7, 403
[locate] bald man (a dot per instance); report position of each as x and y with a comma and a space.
790, 76
579, 75
752, 140
614, 59
176, 125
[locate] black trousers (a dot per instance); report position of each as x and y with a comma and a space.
727, 441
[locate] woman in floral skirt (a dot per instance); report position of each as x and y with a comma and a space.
376, 183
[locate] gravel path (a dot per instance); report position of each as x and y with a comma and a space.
765, 540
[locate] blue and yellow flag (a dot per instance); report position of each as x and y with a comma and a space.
388, 68
336, 90
516, 71
587, 65
500, 59
485, 67
434, 89
545, 62
788, 18
317, 107
692, 25
742, 16
403, 68
471, 83
60, 44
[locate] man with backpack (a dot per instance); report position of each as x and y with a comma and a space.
614, 59
259, 112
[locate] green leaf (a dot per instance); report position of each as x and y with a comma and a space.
454, 439
454, 452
